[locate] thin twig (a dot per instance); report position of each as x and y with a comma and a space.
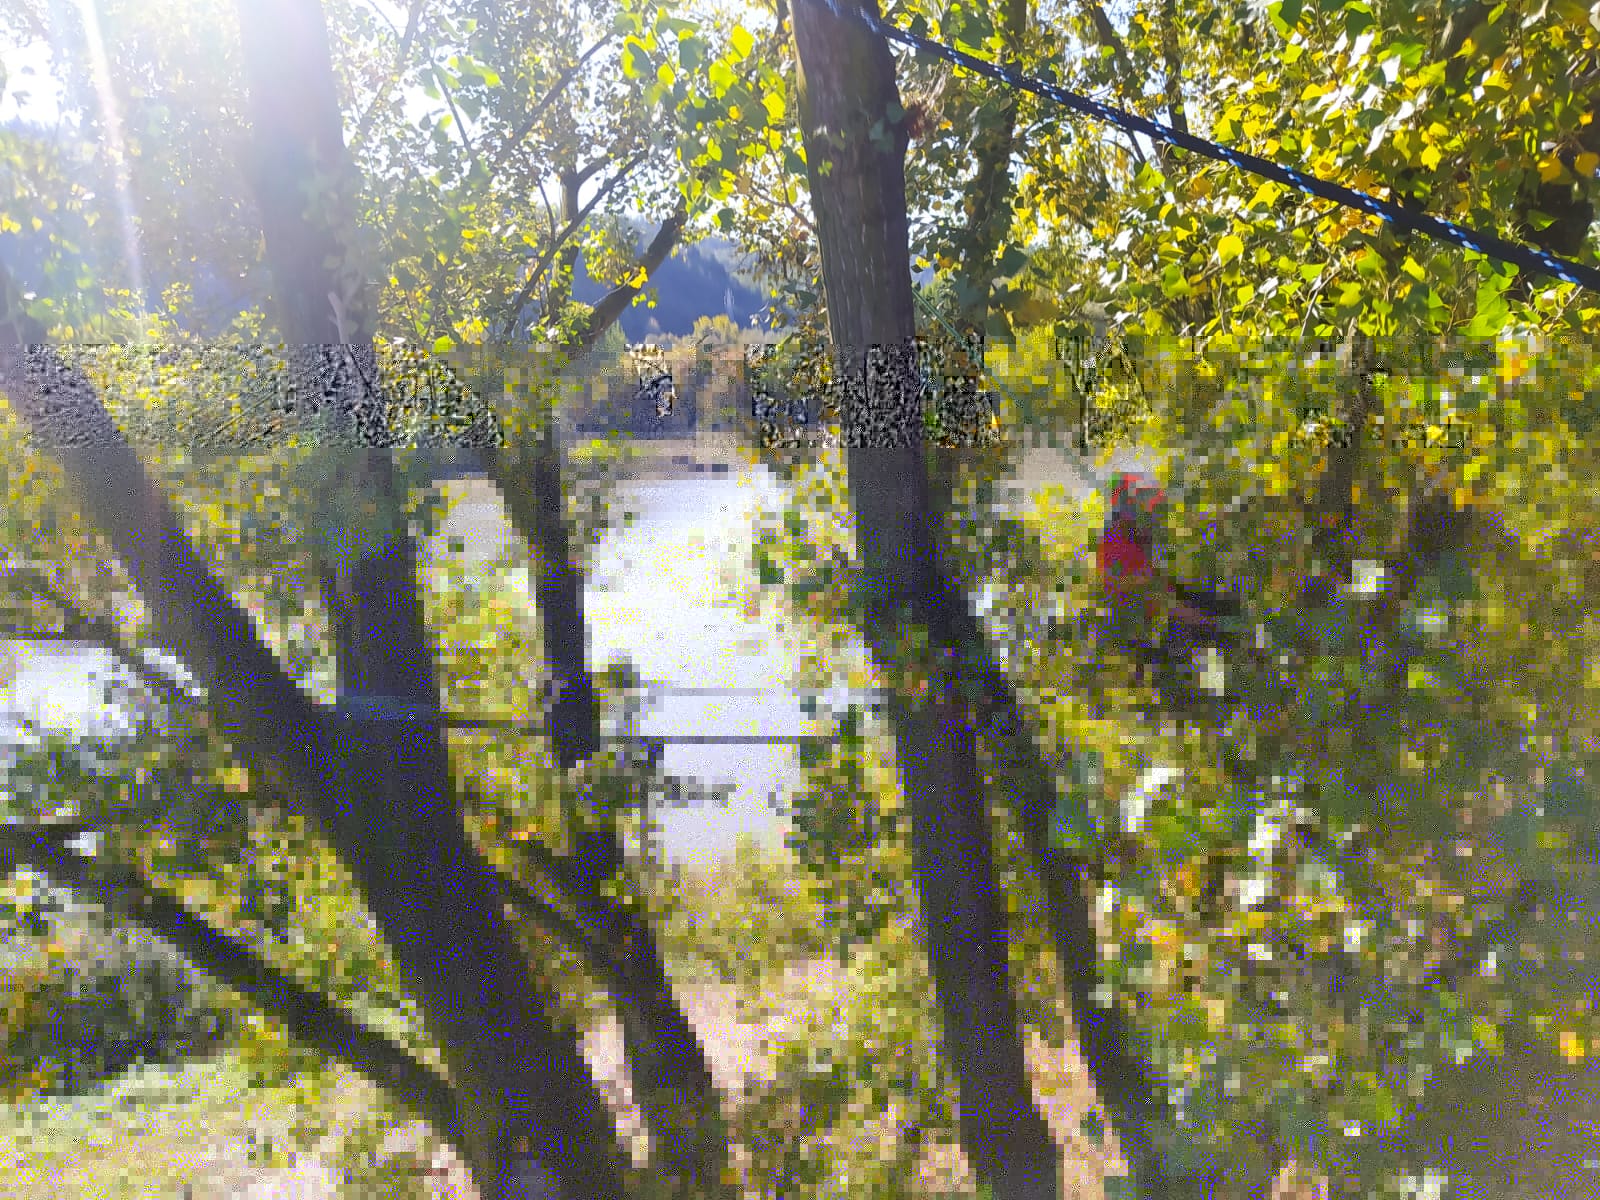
363, 126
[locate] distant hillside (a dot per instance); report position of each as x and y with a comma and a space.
697, 281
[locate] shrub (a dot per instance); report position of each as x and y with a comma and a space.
118, 1000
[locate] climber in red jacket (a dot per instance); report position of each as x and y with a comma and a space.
1135, 587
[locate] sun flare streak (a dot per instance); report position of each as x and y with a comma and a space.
116, 145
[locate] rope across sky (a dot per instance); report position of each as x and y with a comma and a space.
1526, 257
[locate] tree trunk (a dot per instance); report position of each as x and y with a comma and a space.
672, 1082
532, 1117
567, 260
846, 86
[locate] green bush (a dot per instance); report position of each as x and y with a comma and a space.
120, 1001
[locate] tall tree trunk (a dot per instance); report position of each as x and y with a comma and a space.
532, 1117
672, 1081
846, 85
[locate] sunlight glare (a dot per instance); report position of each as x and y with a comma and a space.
115, 143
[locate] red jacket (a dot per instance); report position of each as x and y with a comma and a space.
1124, 567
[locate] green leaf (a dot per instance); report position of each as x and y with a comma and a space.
444, 344
1174, 284
634, 60
1491, 313
1148, 177
1013, 260
1357, 19
1285, 15
1229, 247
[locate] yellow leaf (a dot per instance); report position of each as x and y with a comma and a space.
1431, 157
1550, 169
1571, 1046
1487, 1035
1230, 247
1586, 163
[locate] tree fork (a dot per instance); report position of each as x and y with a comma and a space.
532, 1117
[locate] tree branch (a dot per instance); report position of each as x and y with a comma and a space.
595, 910
583, 174
988, 197
526, 291
762, 193
549, 98
266, 714
466, 140
1106, 34
615, 301
79, 626
1174, 68
413, 15
306, 1014
573, 933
